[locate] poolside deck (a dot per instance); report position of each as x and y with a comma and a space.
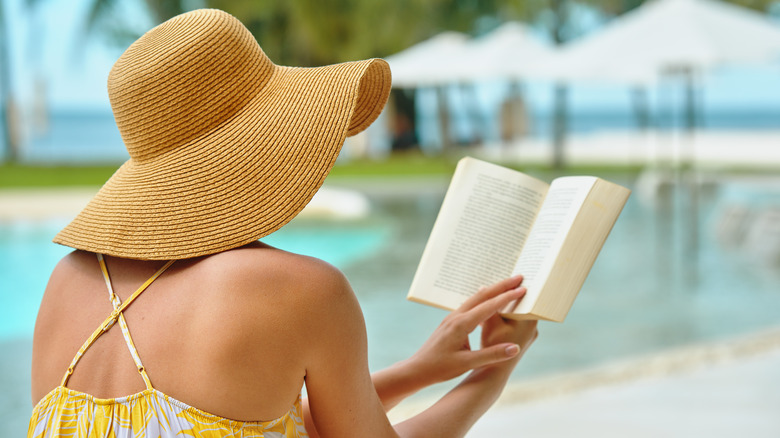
716, 391
707, 149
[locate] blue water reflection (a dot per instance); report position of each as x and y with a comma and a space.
685, 263
27, 257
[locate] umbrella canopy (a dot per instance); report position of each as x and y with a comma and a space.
669, 35
510, 51
422, 64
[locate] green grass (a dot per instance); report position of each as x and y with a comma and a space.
395, 166
22, 175
33, 176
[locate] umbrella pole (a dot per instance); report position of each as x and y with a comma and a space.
559, 124
690, 101
642, 115
469, 92
688, 168
444, 118
559, 118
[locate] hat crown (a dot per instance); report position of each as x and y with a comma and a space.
183, 79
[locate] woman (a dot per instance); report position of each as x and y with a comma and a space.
222, 330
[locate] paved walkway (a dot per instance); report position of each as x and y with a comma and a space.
40, 204
44, 203
711, 149
724, 389
721, 391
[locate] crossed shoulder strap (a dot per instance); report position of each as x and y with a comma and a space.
115, 316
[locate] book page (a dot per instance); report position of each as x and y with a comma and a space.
481, 228
564, 199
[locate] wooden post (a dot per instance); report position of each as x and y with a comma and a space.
559, 125
9, 140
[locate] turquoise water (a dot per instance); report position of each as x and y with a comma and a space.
27, 256
649, 289
654, 287
648, 281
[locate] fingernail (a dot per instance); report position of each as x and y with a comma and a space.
512, 350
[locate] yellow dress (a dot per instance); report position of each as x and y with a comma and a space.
150, 413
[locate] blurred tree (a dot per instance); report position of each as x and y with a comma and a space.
317, 32
105, 17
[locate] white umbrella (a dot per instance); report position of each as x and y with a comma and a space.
671, 36
421, 65
450, 58
665, 36
511, 51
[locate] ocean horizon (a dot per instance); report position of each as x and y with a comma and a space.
91, 136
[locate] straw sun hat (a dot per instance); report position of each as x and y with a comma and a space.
225, 146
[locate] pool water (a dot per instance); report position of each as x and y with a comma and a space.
671, 273
661, 281
647, 290
27, 256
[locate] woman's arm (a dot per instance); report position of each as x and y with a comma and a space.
447, 354
455, 413
472, 397
343, 400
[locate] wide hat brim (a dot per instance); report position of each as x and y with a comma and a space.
241, 181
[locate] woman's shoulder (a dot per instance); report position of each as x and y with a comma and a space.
72, 277
260, 266
74, 262
257, 284
261, 259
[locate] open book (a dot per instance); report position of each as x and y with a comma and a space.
496, 222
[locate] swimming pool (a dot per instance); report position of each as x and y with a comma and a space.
27, 256
653, 287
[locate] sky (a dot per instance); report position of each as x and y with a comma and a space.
48, 46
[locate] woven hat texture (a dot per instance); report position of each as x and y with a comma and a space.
225, 146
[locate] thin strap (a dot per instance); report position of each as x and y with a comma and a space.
109, 322
116, 302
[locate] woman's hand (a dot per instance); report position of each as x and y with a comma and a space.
447, 353
497, 331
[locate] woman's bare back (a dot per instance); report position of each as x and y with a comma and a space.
219, 333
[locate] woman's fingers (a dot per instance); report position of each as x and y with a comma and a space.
488, 292
492, 354
485, 310
514, 337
